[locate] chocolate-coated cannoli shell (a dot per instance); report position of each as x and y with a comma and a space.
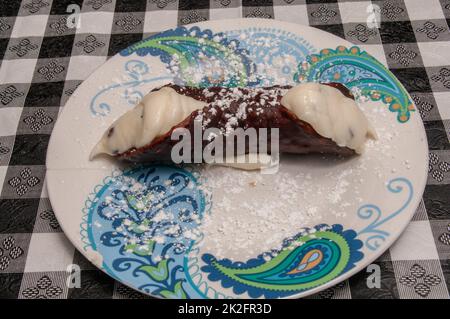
295, 136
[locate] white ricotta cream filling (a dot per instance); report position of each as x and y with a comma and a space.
330, 113
154, 116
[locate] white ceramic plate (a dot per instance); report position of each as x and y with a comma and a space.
223, 233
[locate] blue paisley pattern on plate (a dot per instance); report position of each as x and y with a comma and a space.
357, 69
139, 220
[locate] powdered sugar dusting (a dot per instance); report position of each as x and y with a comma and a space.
247, 100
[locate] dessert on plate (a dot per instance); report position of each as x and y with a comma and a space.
310, 118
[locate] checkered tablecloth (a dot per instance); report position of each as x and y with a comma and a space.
42, 61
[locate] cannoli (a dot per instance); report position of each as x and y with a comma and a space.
310, 118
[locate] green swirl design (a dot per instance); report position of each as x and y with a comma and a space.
198, 57
305, 262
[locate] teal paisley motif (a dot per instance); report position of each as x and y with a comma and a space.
357, 69
305, 261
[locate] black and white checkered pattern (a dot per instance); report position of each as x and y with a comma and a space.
43, 61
